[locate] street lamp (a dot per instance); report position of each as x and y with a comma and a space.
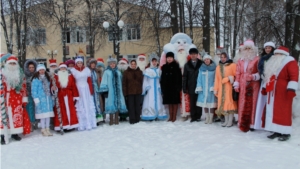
115, 30
52, 53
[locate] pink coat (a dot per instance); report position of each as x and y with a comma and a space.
248, 89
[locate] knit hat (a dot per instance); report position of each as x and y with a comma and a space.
52, 62
170, 54
62, 65
207, 57
193, 51
40, 67
70, 62
282, 50
269, 44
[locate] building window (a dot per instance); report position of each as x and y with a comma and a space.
36, 36
131, 57
133, 32
76, 35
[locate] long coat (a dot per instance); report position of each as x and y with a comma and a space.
112, 83
66, 96
132, 81
152, 105
223, 90
279, 106
248, 91
190, 75
43, 102
171, 83
205, 86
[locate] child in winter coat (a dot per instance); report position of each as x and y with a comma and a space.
40, 90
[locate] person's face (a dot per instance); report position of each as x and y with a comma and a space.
79, 64
93, 65
112, 65
207, 61
63, 69
194, 56
223, 58
71, 65
31, 68
170, 59
133, 65
141, 59
12, 63
268, 49
154, 62
278, 54
42, 71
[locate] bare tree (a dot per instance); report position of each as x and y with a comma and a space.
206, 25
174, 16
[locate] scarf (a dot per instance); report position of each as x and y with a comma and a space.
45, 84
261, 63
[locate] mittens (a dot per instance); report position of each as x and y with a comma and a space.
263, 91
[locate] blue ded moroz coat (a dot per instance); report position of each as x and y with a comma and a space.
205, 86
112, 83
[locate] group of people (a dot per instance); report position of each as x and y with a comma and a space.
259, 88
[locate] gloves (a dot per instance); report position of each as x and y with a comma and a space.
249, 77
291, 94
263, 91
225, 80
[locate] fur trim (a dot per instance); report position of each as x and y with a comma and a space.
91, 61
26, 70
271, 67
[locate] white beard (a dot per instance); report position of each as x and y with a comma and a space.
12, 74
122, 67
272, 66
142, 64
52, 70
63, 78
181, 58
248, 55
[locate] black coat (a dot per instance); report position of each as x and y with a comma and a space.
170, 82
190, 75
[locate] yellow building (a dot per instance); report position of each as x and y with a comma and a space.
136, 39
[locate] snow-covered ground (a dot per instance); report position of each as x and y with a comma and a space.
154, 145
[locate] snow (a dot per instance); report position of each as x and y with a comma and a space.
154, 145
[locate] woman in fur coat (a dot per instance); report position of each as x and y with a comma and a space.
205, 88
171, 84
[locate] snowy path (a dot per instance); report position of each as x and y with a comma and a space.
154, 145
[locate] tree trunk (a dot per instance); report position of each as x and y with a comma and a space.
235, 31
206, 26
288, 23
217, 23
174, 17
23, 53
296, 37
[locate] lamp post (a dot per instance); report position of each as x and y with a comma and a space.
115, 30
52, 53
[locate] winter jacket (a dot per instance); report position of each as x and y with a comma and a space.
190, 75
132, 81
171, 83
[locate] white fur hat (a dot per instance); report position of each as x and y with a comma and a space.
78, 60
207, 57
40, 67
249, 43
269, 44
282, 50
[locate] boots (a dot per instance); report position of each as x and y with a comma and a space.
206, 118
230, 120
44, 132
211, 117
16, 137
2, 140
48, 132
111, 119
117, 118
226, 120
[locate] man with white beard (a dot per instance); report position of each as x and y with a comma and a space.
142, 62
53, 66
123, 64
14, 90
280, 81
67, 96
